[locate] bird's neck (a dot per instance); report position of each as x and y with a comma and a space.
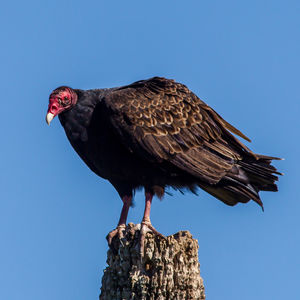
77, 119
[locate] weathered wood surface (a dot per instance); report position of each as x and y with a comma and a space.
168, 270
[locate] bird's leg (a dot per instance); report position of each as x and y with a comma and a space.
122, 221
146, 225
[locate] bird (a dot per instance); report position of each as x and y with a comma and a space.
156, 134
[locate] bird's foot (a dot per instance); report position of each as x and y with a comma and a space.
146, 227
119, 231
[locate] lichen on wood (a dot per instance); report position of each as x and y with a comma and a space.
169, 269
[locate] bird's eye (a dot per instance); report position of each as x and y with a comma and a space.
66, 101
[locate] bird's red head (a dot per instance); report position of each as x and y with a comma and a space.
60, 99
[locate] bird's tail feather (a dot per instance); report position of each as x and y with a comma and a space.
245, 181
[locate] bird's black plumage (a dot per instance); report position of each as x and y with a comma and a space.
156, 133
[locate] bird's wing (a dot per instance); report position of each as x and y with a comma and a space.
162, 120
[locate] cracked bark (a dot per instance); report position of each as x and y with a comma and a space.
168, 270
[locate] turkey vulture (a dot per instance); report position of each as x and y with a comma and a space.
154, 134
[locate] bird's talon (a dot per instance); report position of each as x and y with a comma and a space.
146, 227
116, 232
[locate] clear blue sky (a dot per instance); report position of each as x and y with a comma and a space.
241, 57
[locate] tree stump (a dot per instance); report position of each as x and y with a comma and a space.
168, 270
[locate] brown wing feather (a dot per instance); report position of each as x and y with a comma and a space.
163, 120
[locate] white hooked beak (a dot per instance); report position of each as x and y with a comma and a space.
49, 118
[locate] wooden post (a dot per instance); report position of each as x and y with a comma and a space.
168, 270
